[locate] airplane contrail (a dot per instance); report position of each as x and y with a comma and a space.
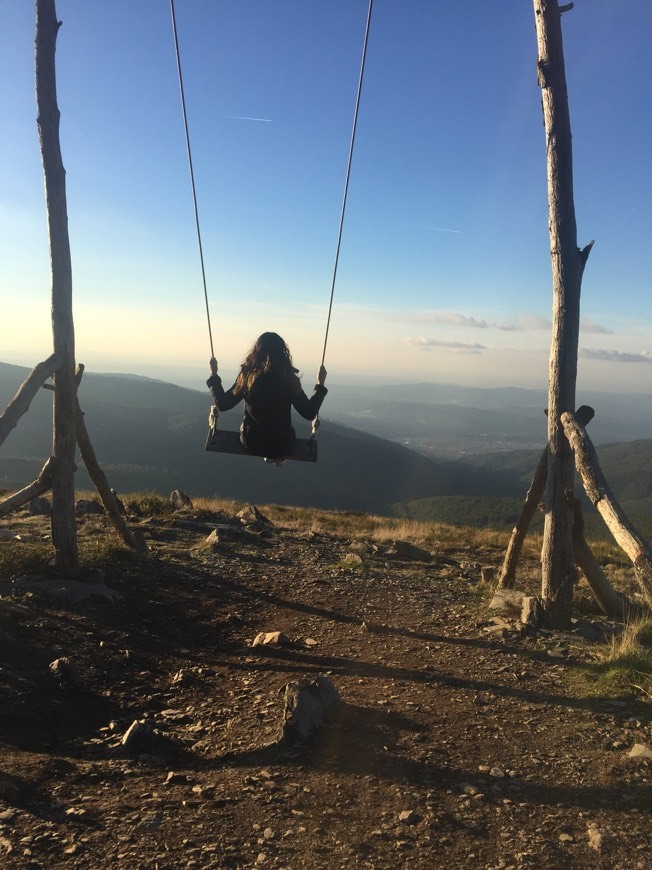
245, 118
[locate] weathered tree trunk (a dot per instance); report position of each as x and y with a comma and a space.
604, 500
64, 532
532, 500
611, 602
20, 403
558, 570
42, 484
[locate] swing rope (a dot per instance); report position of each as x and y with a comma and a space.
348, 175
192, 174
315, 423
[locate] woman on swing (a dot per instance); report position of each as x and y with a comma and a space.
270, 386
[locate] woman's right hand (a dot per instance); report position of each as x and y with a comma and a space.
213, 365
321, 377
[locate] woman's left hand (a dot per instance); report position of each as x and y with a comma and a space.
321, 377
213, 365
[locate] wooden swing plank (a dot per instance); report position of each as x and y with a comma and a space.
223, 441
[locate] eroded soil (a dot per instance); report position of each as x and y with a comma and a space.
455, 746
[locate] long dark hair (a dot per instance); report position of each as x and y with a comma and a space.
269, 355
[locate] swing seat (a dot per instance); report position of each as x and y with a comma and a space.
223, 441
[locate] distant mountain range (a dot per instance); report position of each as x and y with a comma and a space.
150, 435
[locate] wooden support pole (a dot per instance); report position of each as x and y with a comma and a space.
20, 403
558, 569
98, 477
611, 603
604, 500
533, 499
41, 484
64, 531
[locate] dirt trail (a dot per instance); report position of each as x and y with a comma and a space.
455, 746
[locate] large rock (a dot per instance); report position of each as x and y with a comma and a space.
251, 516
87, 506
139, 737
271, 638
640, 750
66, 673
179, 499
403, 551
507, 600
307, 707
39, 506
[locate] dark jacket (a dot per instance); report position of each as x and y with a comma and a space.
267, 426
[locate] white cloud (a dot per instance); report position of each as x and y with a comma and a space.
616, 355
526, 323
594, 328
424, 343
450, 318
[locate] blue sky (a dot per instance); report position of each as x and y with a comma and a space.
444, 271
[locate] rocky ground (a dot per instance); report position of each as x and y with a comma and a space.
459, 742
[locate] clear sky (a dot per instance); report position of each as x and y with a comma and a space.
444, 271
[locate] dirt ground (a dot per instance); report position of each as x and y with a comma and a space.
455, 745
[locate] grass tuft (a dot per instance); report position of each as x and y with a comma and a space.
147, 504
627, 661
17, 558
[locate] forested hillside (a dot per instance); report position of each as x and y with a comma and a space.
150, 435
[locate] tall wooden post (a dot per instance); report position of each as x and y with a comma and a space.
558, 570
64, 533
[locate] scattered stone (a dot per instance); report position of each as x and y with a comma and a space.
359, 547
404, 551
507, 599
310, 641
174, 778
497, 773
88, 506
179, 499
565, 838
151, 821
271, 638
409, 817
39, 507
8, 790
213, 539
497, 624
307, 707
78, 813
66, 673
588, 630
640, 750
595, 837
352, 559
